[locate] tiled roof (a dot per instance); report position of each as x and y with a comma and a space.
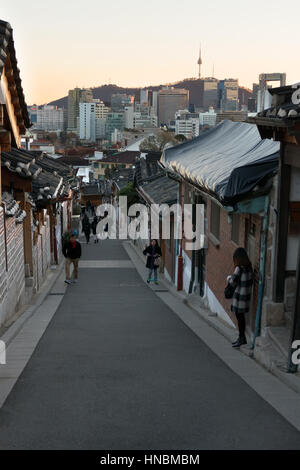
161, 190
48, 163
74, 160
12, 208
101, 187
7, 50
147, 169
152, 182
283, 106
129, 156
122, 177
50, 179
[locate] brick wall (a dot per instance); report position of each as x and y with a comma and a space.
219, 259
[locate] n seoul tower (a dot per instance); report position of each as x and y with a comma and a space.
199, 63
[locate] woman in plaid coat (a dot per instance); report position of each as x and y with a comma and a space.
242, 281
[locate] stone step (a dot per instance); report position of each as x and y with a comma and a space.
280, 338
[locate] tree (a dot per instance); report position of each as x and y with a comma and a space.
131, 193
158, 142
109, 172
181, 138
52, 137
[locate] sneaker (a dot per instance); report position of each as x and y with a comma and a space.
233, 342
148, 280
67, 281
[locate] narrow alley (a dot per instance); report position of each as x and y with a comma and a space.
117, 369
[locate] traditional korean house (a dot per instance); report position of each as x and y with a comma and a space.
282, 123
14, 120
154, 187
34, 190
121, 178
42, 187
96, 193
231, 171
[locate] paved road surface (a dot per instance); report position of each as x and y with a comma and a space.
117, 369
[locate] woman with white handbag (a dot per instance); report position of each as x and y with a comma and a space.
153, 253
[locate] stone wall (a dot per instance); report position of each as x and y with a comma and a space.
12, 268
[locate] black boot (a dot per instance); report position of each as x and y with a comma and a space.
242, 340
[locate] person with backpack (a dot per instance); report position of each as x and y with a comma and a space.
86, 228
153, 252
239, 288
72, 253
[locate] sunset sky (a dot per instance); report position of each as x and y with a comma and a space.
63, 44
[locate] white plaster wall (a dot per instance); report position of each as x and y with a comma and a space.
187, 267
216, 307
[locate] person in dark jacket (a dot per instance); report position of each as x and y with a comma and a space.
153, 253
72, 253
86, 227
241, 280
94, 228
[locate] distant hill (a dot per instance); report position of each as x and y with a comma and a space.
104, 92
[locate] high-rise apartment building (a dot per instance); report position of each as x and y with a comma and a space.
87, 121
170, 100
92, 120
47, 117
76, 96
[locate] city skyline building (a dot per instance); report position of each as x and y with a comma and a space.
210, 93
120, 100
76, 96
264, 98
47, 117
229, 94
114, 122
187, 124
92, 120
171, 100
208, 118
87, 121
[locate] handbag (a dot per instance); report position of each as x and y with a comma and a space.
156, 262
229, 291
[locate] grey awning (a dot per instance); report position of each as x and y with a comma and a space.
221, 160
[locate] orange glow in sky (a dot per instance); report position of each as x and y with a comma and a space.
60, 45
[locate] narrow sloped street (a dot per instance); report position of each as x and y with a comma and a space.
117, 369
